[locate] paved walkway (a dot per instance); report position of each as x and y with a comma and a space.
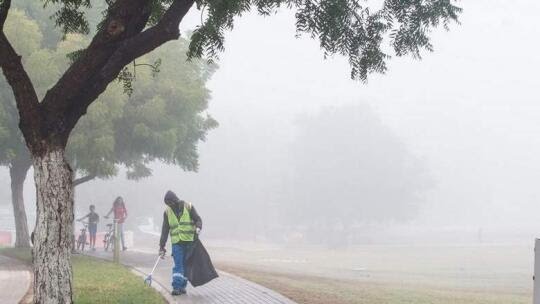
227, 289
14, 280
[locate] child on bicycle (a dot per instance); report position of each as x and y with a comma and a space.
93, 219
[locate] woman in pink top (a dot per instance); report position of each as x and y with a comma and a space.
120, 215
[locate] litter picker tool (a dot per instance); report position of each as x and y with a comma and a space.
148, 279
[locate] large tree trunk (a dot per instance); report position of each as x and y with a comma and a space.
17, 172
53, 235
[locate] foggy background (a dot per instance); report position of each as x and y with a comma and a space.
445, 149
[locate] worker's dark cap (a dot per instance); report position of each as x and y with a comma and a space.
170, 198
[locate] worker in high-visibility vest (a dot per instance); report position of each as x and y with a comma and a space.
182, 222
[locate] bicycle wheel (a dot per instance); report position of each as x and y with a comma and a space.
105, 241
111, 243
83, 243
108, 243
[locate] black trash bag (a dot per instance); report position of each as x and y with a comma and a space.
199, 268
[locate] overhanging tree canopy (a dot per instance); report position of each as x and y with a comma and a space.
107, 136
163, 119
132, 28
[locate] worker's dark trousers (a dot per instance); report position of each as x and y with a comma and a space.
179, 281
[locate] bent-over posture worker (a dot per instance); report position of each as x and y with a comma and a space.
182, 222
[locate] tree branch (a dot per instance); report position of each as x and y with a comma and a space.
4, 9
84, 179
23, 90
125, 19
126, 51
166, 30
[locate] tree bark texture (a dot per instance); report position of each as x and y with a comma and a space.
53, 235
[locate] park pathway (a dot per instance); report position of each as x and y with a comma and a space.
227, 289
14, 280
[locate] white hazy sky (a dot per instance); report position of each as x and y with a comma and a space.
471, 109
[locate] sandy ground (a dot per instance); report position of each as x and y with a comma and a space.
494, 273
320, 290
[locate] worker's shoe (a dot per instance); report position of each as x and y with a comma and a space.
177, 292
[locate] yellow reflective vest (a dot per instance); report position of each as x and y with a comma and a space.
181, 228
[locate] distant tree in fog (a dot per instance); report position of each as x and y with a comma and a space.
349, 168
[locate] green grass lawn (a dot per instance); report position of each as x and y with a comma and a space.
98, 281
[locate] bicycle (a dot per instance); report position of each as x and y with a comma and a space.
108, 239
81, 241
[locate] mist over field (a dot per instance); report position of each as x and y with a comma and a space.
425, 177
